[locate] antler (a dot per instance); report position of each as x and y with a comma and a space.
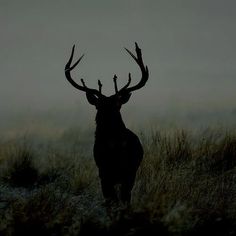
144, 70
115, 83
69, 68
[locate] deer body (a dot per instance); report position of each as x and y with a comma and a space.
117, 150
118, 154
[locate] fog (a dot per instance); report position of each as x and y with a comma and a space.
188, 45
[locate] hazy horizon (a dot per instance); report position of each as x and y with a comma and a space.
188, 46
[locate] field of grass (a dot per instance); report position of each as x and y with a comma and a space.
185, 186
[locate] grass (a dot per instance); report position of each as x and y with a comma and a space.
184, 186
20, 170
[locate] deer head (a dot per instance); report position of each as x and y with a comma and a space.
114, 102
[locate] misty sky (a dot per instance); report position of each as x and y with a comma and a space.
189, 46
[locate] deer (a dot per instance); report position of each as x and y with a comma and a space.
117, 151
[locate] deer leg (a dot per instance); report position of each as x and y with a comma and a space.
108, 191
125, 194
126, 189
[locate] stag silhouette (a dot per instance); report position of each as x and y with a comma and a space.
117, 150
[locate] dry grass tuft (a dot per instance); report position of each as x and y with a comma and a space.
184, 186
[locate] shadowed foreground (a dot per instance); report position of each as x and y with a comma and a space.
185, 186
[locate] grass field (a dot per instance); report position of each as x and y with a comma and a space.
185, 185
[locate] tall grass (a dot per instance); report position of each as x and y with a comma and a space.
184, 186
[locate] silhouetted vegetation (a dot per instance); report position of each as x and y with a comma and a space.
184, 186
20, 170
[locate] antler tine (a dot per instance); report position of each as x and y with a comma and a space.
82, 81
127, 85
144, 69
69, 68
115, 83
100, 86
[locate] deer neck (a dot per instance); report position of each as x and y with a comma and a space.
112, 126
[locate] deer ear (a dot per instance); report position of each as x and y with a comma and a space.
124, 98
92, 99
